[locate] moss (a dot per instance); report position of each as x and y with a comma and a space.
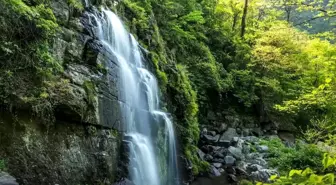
90, 90
198, 166
115, 133
101, 68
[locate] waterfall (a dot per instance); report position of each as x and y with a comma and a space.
139, 94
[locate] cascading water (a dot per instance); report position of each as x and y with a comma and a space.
140, 106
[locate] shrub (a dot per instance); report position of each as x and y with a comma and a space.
300, 156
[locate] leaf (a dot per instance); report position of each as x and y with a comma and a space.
273, 177
328, 80
329, 178
293, 172
307, 172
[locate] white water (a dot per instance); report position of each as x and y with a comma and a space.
140, 97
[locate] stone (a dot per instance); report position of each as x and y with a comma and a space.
208, 157
212, 133
263, 175
254, 167
236, 152
251, 139
260, 161
218, 154
240, 143
229, 134
217, 165
257, 131
6, 179
239, 131
229, 160
204, 131
215, 172
222, 127
200, 154
241, 172
246, 149
287, 137
211, 139
224, 143
262, 148
232, 178
218, 160
253, 155
246, 132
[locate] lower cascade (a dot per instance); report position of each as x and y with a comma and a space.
149, 131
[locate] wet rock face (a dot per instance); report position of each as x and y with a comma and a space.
61, 154
231, 156
84, 145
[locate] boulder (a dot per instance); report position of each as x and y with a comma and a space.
218, 154
208, 157
262, 148
215, 172
200, 154
254, 167
229, 160
212, 133
257, 132
217, 165
224, 143
263, 175
236, 152
6, 179
229, 134
232, 178
222, 128
287, 137
210, 139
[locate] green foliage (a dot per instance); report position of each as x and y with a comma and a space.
276, 73
76, 4
300, 156
308, 176
245, 182
2, 165
198, 166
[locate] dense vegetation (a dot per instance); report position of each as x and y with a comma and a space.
269, 62
272, 62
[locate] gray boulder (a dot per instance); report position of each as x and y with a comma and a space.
263, 175
236, 152
215, 172
200, 154
262, 148
229, 160
210, 139
229, 134
224, 143
217, 165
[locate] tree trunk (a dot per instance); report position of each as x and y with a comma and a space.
243, 24
235, 18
